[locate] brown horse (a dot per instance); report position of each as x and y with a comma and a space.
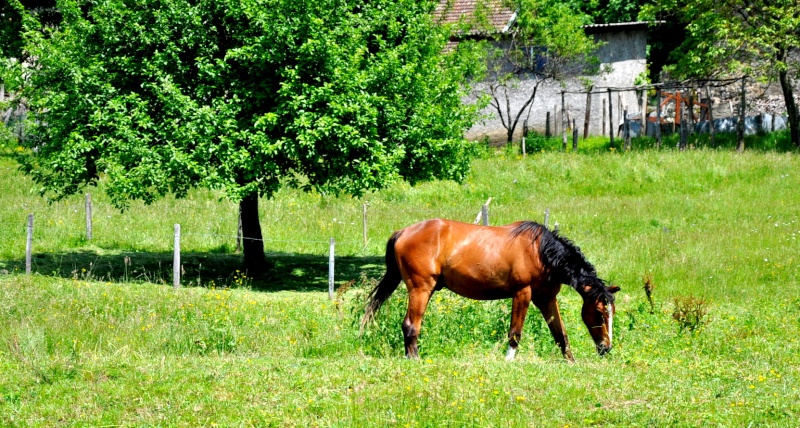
523, 261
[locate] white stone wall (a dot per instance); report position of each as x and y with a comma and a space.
624, 54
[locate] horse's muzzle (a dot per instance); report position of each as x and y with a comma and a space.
603, 349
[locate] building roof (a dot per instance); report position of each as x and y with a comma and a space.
620, 26
499, 17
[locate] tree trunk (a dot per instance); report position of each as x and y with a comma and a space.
253, 245
791, 106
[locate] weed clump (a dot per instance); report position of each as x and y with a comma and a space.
690, 313
648, 291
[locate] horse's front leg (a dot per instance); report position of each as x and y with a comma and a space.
519, 309
419, 294
552, 317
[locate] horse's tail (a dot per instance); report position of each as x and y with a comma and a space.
386, 287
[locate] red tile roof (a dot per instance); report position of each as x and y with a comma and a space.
498, 16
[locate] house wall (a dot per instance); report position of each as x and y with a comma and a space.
624, 54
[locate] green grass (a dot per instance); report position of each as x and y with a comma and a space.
89, 340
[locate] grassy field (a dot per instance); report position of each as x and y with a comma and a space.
97, 337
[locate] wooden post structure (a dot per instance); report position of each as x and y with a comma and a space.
330, 268
710, 117
176, 258
555, 120
239, 232
626, 130
690, 125
29, 246
603, 103
658, 118
611, 115
364, 223
683, 132
524, 136
484, 213
588, 113
740, 124
574, 136
692, 96
547, 133
643, 132
88, 217
563, 124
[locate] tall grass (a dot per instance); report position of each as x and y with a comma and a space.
93, 340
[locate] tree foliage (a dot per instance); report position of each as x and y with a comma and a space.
609, 11
757, 38
246, 96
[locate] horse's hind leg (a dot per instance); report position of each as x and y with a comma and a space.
419, 293
519, 309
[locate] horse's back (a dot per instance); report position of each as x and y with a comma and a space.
475, 261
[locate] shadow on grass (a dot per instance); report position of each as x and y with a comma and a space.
292, 272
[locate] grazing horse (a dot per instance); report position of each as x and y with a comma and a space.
523, 261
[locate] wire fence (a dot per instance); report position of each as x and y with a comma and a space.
181, 235
685, 107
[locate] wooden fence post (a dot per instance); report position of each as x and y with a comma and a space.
547, 133
484, 213
524, 136
740, 125
563, 124
683, 132
603, 103
658, 118
611, 115
331, 251
88, 217
710, 117
643, 132
555, 120
626, 130
574, 135
586, 119
239, 232
690, 129
176, 258
29, 245
364, 223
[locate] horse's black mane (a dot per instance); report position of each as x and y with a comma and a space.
565, 260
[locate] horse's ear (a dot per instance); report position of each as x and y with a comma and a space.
613, 289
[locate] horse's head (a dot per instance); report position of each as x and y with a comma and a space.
598, 314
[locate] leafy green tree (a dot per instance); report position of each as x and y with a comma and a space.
547, 43
158, 97
609, 11
758, 38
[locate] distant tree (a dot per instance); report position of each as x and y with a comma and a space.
609, 11
547, 43
758, 38
158, 97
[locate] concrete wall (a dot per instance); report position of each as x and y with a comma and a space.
624, 55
